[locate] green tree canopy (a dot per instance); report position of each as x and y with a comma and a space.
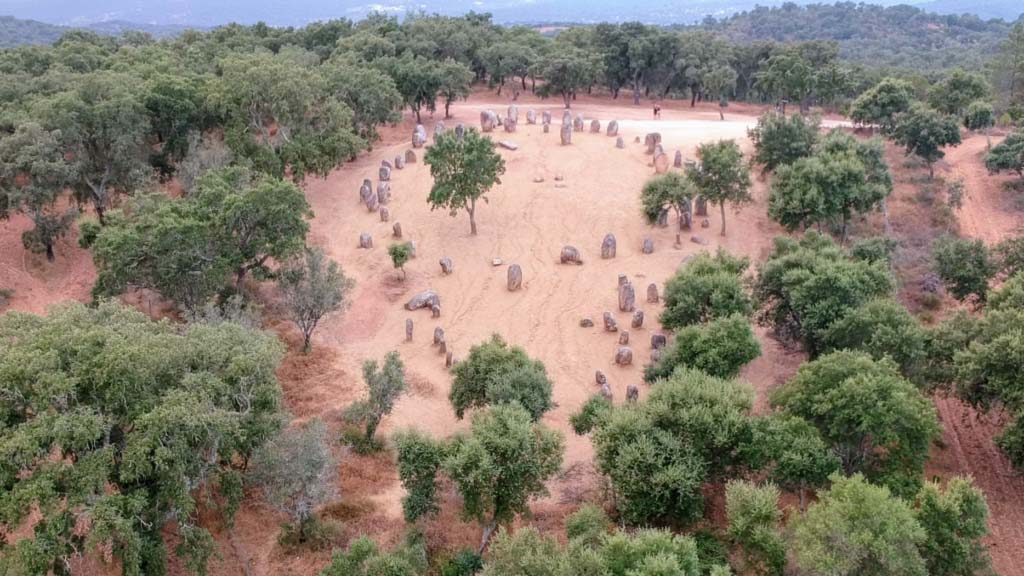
140, 415
565, 72
384, 384
496, 373
884, 329
706, 288
658, 453
964, 266
858, 528
958, 89
924, 132
464, 170
875, 421
1008, 155
882, 103
780, 140
313, 287
669, 191
721, 176
955, 521
721, 348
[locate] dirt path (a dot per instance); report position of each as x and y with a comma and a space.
988, 212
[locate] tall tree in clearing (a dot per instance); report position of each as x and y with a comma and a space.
464, 170
721, 175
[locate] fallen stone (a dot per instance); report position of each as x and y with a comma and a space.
698, 240
425, 299
508, 145
496, 262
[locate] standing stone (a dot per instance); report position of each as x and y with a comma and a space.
439, 129
365, 191
570, 255
408, 329
446, 266
365, 240
383, 192
606, 391
412, 248
648, 246
620, 143
384, 173
632, 393
663, 218
636, 140
513, 113
545, 117
510, 125
627, 297
610, 325
547, 128
372, 203
396, 229
419, 136
655, 356
658, 341
705, 223
448, 361
442, 348
624, 337
531, 116
438, 335
608, 246
435, 311
488, 120
638, 319
566, 134
677, 162
652, 293
702, 206
613, 128
386, 163
624, 356
399, 162
660, 163
566, 118
577, 123
600, 378
622, 280
595, 126
385, 215
460, 130
410, 157
651, 140
425, 299
659, 149
515, 277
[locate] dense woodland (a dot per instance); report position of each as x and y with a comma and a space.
114, 426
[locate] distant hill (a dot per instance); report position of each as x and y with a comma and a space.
17, 32
899, 36
1009, 10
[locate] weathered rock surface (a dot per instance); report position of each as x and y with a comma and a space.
647, 247
658, 341
435, 311
510, 125
408, 329
410, 157
620, 143
515, 277
613, 128
623, 337
446, 266
600, 378
383, 192
384, 173
570, 255
698, 240
624, 356
425, 299
365, 240
385, 215
438, 335
608, 246
545, 117
578, 123
419, 136
531, 116
638, 319
606, 391
627, 297
566, 134
595, 126
660, 163
652, 293
677, 162
610, 325
399, 162
396, 229
488, 120
651, 140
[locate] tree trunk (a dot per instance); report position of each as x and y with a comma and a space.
693, 97
499, 88
306, 342
101, 213
636, 91
447, 105
931, 171
417, 111
485, 538
567, 99
721, 113
49, 252
371, 427
722, 206
472, 217
524, 82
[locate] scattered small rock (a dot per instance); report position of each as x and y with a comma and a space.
496, 262
586, 323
